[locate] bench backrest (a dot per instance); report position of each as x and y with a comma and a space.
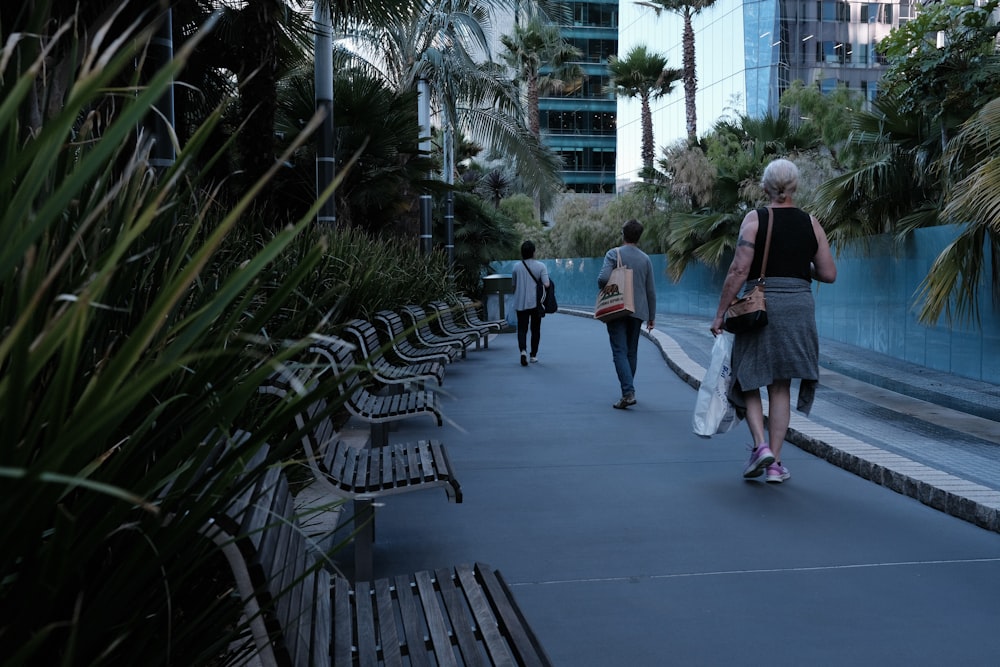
366, 335
393, 322
449, 317
280, 581
421, 321
397, 331
340, 355
471, 312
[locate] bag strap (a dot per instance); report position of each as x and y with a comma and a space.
767, 245
528, 269
619, 251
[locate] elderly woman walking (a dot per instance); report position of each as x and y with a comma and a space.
788, 346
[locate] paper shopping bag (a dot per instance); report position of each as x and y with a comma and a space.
616, 299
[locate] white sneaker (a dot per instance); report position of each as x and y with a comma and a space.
534, 360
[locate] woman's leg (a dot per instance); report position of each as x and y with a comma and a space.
755, 416
779, 400
522, 330
536, 330
761, 456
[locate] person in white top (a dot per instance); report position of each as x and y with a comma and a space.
526, 277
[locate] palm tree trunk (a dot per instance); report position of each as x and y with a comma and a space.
534, 125
690, 78
647, 135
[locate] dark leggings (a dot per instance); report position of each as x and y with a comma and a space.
525, 319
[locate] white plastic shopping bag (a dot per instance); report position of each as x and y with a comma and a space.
713, 413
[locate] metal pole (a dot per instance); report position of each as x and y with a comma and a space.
424, 120
449, 178
162, 156
326, 157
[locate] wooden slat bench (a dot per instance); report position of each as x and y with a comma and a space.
363, 475
375, 409
385, 364
471, 314
446, 319
407, 343
421, 324
304, 616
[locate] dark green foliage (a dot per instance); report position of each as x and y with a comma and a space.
140, 318
483, 234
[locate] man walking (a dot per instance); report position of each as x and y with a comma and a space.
624, 331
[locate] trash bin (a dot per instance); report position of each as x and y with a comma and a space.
496, 286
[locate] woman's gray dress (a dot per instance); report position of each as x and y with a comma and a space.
785, 349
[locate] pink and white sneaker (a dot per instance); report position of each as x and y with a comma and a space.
777, 473
760, 458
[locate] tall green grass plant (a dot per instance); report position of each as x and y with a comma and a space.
135, 334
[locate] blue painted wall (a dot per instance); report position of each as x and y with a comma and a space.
871, 305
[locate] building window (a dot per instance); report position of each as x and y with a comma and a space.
876, 13
595, 14
603, 159
861, 54
832, 10
598, 50
827, 86
595, 50
562, 122
870, 90
880, 58
604, 123
572, 158
832, 52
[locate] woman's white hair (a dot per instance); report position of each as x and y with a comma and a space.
780, 180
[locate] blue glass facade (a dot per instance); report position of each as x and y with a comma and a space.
762, 49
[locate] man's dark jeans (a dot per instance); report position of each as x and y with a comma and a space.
624, 335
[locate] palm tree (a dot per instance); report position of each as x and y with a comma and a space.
953, 284
374, 122
686, 9
739, 149
538, 46
645, 75
895, 188
445, 45
927, 150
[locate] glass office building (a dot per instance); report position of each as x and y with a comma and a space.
747, 54
581, 122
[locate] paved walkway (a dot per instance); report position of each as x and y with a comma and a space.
927, 434
630, 541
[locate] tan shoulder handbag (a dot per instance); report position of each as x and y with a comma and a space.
750, 311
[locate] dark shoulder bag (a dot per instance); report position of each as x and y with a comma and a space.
545, 298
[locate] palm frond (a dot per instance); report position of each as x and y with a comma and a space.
953, 284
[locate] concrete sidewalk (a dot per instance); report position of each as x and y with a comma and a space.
630, 541
926, 434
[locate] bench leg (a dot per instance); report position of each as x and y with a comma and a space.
364, 540
380, 434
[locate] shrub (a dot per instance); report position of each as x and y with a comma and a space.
137, 328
